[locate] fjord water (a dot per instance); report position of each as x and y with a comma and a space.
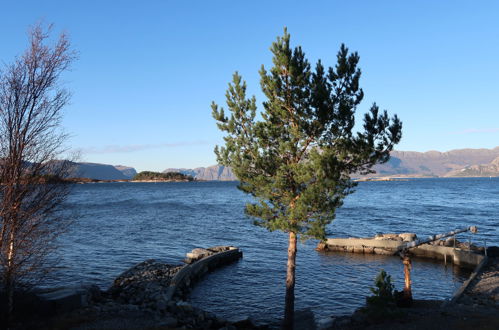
121, 224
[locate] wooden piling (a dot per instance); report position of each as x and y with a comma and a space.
407, 278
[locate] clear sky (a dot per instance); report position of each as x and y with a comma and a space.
148, 70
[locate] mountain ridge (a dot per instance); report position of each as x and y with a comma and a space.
453, 163
402, 163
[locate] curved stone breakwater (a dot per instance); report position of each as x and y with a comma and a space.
150, 294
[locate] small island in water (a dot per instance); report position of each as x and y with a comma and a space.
145, 176
148, 176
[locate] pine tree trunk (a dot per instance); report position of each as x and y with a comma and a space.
289, 309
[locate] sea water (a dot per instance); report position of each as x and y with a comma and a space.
120, 224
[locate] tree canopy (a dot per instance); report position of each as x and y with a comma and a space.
297, 160
297, 154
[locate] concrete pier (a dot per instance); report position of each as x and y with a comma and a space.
388, 244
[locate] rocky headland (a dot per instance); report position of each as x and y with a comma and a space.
482, 170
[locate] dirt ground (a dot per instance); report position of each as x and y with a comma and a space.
429, 315
477, 309
484, 289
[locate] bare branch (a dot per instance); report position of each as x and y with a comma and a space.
31, 141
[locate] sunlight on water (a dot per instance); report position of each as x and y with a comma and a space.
121, 224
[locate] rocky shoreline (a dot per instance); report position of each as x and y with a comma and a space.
154, 295
150, 295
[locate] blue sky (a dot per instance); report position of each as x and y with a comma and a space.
148, 70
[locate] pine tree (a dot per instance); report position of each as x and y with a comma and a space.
297, 155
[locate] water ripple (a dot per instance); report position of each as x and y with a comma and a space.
121, 224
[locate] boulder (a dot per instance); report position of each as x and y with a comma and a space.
394, 237
408, 237
221, 248
197, 254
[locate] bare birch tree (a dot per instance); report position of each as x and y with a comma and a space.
31, 144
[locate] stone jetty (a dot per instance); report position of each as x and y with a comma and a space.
148, 295
475, 305
461, 254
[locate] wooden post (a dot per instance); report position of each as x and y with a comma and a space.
402, 251
407, 278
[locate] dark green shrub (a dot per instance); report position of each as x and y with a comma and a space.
382, 303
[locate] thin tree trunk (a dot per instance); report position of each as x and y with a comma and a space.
9, 281
289, 309
2, 233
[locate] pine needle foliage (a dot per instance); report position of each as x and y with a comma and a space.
383, 303
296, 156
297, 160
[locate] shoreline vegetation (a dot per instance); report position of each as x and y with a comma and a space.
148, 176
179, 177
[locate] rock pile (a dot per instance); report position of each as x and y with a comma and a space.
452, 242
145, 284
200, 253
142, 296
112, 314
404, 237
448, 242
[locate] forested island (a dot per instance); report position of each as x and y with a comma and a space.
148, 176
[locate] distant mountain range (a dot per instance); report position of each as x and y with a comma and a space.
454, 163
437, 164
